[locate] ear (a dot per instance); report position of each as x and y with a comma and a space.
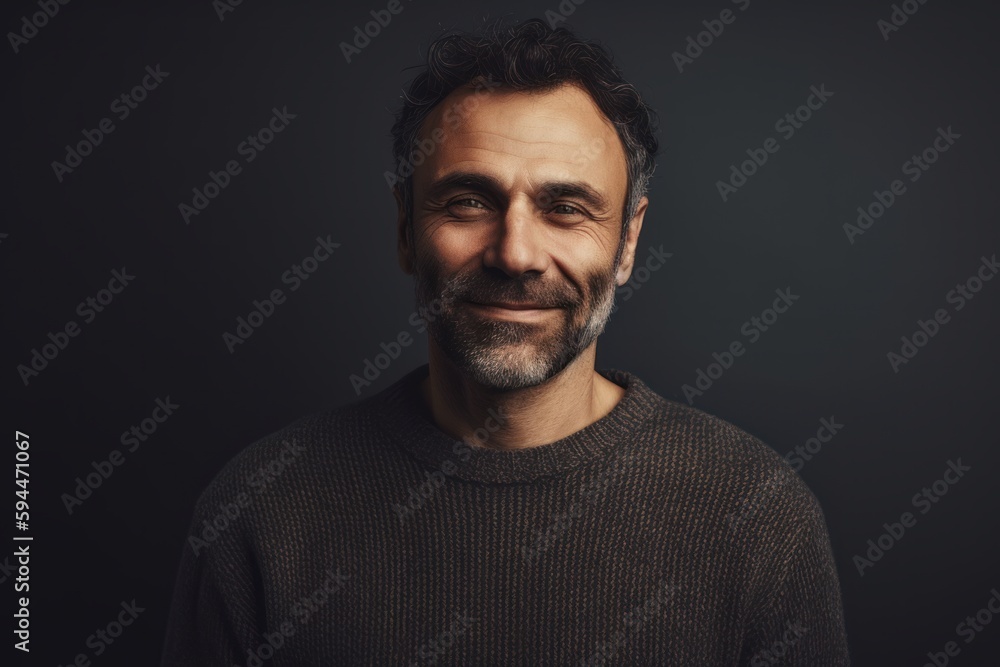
631, 240
404, 239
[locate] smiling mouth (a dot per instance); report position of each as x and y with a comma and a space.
512, 306
512, 311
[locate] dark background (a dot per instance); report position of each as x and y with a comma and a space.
826, 357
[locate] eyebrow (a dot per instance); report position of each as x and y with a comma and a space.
492, 187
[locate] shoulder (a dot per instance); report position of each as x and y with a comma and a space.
305, 453
729, 468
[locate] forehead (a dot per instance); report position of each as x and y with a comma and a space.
554, 134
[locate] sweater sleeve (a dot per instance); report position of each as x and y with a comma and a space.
212, 618
799, 620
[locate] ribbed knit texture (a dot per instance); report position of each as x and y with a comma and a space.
658, 535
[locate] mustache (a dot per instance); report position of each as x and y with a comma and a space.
481, 288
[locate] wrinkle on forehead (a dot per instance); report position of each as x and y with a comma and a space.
543, 135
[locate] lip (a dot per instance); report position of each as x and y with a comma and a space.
512, 306
517, 311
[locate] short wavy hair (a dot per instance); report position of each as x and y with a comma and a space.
529, 55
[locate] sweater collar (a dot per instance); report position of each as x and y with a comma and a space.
419, 435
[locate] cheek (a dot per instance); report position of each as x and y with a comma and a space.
454, 247
584, 250
445, 245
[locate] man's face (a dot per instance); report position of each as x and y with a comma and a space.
517, 222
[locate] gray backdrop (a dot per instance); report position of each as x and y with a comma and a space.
889, 91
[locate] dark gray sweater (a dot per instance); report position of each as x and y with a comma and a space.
658, 535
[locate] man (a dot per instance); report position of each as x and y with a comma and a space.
507, 503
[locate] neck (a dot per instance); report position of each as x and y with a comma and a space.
520, 418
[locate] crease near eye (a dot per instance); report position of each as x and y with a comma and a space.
464, 206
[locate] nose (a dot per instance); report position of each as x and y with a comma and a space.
518, 242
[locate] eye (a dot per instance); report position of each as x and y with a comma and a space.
466, 208
566, 209
467, 202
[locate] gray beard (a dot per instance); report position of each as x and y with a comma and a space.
506, 355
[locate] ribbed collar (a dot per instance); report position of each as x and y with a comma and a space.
409, 416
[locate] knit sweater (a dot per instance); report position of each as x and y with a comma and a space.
365, 535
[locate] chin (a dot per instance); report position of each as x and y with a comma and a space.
508, 371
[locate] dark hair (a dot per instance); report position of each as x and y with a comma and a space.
527, 56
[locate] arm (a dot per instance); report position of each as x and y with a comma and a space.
213, 613
799, 617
